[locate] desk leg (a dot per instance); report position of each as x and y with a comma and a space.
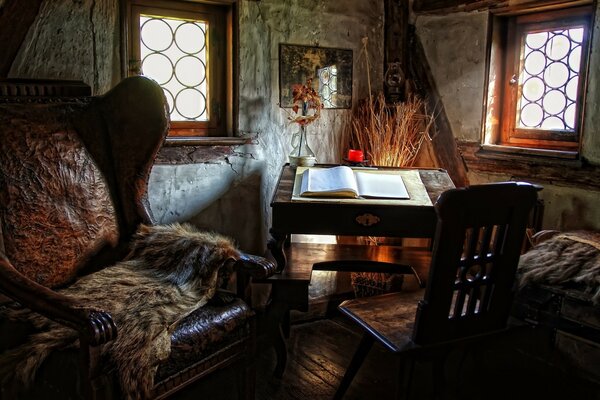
273, 334
281, 352
276, 245
285, 296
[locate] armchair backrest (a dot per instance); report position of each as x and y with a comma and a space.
74, 173
476, 250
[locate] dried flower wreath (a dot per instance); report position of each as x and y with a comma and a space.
305, 98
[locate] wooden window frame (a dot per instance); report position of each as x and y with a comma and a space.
502, 96
223, 42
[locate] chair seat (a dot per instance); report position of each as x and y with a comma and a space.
388, 317
207, 331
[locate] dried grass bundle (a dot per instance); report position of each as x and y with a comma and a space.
389, 134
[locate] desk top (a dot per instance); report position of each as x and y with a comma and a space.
436, 181
368, 218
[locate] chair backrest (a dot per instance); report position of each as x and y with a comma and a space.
476, 250
74, 173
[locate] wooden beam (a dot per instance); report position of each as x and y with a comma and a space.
423, 6
444, 144
16, 17
396, 49
496, 6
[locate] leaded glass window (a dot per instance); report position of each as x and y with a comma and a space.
549, 79
328, 85
188, 49
537, 78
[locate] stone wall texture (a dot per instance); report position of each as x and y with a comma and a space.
455, 46
79, 39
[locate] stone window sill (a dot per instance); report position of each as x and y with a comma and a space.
206, 141
180, 150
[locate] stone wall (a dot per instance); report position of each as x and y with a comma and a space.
233, 194
79, 39
455, 46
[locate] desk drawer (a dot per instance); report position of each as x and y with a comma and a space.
362, 220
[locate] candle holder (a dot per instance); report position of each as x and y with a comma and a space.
356, 158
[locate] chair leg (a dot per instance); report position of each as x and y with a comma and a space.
406, 367
439, 381
359, 356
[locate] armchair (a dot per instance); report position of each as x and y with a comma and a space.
74, 171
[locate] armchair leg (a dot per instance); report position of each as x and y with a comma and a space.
361, 353
247, 370
247, 382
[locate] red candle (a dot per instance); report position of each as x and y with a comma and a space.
355, 155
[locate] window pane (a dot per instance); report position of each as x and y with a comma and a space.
328, 89
174, 53
549, 79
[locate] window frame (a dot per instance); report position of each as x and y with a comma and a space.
499, 130
223, 92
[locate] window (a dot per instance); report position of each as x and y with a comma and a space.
187, 48
537, 80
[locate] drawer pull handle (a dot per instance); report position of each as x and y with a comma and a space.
367, 219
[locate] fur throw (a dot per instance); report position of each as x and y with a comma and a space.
171, 271
572, 257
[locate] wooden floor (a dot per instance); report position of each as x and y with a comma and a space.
319, 352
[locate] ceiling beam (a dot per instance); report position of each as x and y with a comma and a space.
496, 6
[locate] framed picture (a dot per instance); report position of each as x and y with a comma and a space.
330, 70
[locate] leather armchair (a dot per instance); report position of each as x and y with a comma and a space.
73, 190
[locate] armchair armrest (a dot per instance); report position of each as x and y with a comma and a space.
251, 266
255, 266
94, 326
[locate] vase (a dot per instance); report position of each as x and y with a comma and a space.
301, 155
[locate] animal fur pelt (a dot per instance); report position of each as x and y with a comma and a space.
572, 257
171, 271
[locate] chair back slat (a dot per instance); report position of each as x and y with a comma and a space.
475, 255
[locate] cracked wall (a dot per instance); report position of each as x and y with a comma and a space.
227, 191
232, 194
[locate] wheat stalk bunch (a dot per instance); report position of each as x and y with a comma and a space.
390, 135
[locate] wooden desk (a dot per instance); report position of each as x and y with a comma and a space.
296, 261
324, 218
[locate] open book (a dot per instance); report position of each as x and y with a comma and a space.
352, 183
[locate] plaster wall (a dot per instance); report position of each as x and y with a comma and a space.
79, 39
455, 46
233, 194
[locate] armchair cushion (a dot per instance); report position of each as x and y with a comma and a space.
154, 297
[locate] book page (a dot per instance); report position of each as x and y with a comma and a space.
380, 184
411, 178
328, 182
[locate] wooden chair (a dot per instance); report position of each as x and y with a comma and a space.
469, 291
74, 171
